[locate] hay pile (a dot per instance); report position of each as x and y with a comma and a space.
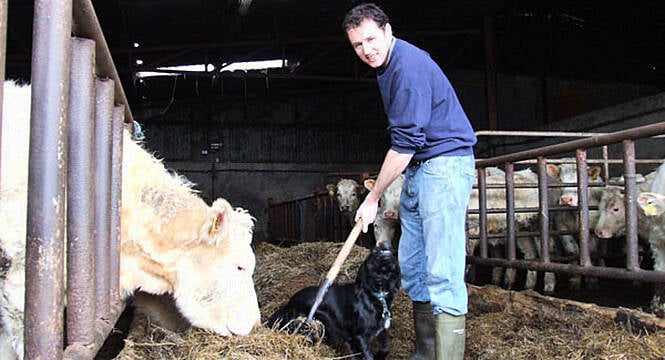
500, 324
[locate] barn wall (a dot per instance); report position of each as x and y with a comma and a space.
251, 148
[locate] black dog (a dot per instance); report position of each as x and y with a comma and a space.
353, 314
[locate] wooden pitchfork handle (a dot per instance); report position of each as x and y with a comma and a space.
334, 269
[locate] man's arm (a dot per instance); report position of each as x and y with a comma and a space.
393, 165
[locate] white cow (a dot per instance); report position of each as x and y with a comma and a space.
653, 205
568, 221
172, 242
387, 226
612, 210
349, 195
524, 197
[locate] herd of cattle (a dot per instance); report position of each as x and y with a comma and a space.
172, 242
607, 223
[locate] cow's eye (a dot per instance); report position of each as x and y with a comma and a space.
616, 209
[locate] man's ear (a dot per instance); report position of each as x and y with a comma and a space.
388, 30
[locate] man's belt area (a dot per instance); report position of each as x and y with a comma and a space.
417, 163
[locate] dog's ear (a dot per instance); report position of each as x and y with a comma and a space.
363, 275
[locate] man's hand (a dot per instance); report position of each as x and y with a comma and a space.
367, 212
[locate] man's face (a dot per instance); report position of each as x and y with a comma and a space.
371, 42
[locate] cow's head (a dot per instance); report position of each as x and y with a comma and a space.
389, 202
213, 287
567, 173
349, 194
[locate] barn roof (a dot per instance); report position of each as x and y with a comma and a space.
582, 39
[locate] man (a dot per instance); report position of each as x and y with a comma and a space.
432, 139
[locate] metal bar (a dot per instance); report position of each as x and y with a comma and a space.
583, 206
103, 144
482, 208
102, 328
542, 133
543, 202
44, 300
630, 195
116, 193
594, 141
86, 25
604, 272
510, 208
80, 204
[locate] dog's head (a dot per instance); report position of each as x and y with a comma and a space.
380, 271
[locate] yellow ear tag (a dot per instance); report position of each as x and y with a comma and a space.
215, 224
650, 210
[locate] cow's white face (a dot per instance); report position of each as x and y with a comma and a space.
567, 173
348, 195
389, 202
215, 290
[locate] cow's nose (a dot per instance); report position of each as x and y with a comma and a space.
390, 214
567, 200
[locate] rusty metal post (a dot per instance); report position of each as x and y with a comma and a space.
44, 300
80, 204
116, 194
510, 209
583, 205
482, 212
543, 206
103, 144
630, 195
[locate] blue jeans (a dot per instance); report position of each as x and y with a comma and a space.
432, 248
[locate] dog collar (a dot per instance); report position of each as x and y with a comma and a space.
385, 315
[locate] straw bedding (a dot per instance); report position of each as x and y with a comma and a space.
500, 325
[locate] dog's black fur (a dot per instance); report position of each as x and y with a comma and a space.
353, 314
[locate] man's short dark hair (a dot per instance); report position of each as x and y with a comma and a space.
362, 12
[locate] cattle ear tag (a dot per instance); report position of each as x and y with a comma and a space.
217, 223
650, 210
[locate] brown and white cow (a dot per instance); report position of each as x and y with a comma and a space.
387, 227
172, 242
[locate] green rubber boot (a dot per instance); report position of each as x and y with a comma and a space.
450, 336
423, 324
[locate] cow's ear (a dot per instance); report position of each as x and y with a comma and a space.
653, 204
594, 172
331, 189
361, 189
216, 224
369, 183
552, 170
217, 215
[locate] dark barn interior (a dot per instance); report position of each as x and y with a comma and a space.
284, 132
258, 137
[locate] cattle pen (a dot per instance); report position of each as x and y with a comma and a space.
614, 152
72, 77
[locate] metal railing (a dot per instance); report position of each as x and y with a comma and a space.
74, 178
543, 155
311, 218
